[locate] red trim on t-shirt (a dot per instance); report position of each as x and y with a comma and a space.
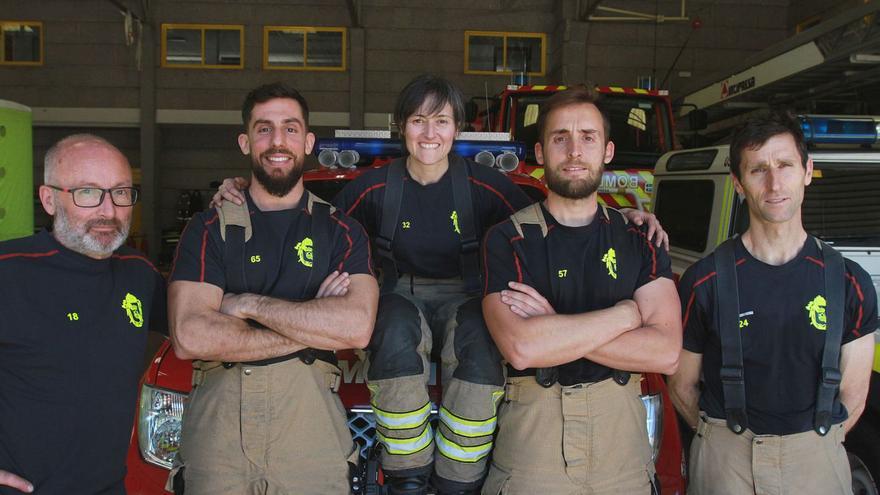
861, 297
347, 238
361, 197
519, 276
814, 260
492, 189
687, 311
28, 255
136, 257
653, 274
202, 255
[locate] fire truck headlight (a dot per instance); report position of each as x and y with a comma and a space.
327, 158
485, 158
159, 424
507, 161
654, 407
348, 158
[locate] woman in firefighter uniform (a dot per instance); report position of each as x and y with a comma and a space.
424, 214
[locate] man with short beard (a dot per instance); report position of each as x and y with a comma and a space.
76, 307
261, 303
578, 301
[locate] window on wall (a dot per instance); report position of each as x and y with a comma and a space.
22, 43
489, 52
207, 46
304, 48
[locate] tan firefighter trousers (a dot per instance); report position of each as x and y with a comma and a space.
583, 439
724, 463
275, 429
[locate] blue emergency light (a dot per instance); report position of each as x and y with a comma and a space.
349, 152
820, 129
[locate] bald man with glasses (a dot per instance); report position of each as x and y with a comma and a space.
75, 308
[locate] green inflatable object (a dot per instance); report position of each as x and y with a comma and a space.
16, 171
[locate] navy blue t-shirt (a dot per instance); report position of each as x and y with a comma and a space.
427, 241
782, 315
278, 257
577, 269
73, 332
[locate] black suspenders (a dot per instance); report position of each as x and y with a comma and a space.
390, 213
464, 207
727, 302
727, 319
829, 379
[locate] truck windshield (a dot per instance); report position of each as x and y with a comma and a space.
842, 205
640, 127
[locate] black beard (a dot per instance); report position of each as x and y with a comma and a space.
277, 186
574, 189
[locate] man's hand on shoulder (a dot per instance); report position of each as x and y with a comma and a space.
17, 482
655, 230
230, 190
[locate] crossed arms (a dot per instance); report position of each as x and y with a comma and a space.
641, 335
206, 324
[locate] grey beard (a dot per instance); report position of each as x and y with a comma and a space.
77, 237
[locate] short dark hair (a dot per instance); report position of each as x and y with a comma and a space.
758, 130
574, 95
427, 87
268, 92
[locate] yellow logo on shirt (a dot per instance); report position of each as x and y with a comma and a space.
454, 218
743, 323
610, 260
134, 309
304, 252
816, 307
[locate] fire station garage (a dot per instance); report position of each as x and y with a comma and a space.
164, 81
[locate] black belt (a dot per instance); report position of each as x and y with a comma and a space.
549, 379
307, 356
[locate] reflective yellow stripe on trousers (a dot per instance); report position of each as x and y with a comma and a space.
462, 454
403, 446
465, 427
404, 420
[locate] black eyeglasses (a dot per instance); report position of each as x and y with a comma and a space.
92, 197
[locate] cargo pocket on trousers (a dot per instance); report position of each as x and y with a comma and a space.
332, 378
838, 458
496, 482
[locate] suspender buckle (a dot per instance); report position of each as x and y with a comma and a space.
732, 374
383, 246
469, 246
831, 376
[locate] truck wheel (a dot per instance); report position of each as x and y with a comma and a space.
862, 481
